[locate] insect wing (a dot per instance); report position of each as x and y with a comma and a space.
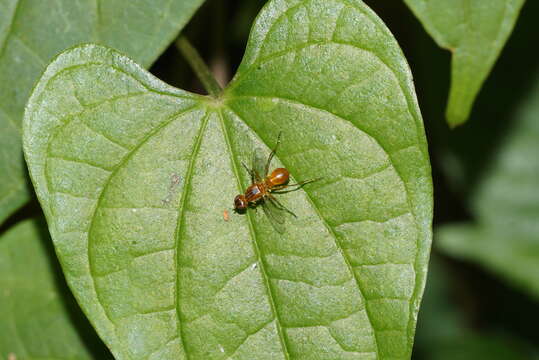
274, 215
259, 164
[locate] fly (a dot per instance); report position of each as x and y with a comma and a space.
264, 186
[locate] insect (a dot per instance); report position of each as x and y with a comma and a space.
264, 186
226, 217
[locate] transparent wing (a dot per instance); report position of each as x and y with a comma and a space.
274, 214
259, 164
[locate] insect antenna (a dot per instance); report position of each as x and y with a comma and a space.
250, 172
270, 157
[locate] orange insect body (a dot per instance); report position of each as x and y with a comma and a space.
259, 190
264, 185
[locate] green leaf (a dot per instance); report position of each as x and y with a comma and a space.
29, 40
40, 319
475, 33
505, 237
134, 177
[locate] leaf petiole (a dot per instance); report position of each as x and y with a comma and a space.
199, 66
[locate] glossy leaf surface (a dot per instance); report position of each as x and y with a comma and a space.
505, 237
40, 319
134, 177
33, 32
475, 32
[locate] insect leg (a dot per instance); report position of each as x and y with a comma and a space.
251, 172
280, 189
270, 157
278, 204
256, 176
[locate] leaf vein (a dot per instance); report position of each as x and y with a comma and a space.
312, 283
78, 161
107, 137
181, 208
256, 248
120, 164
327, 324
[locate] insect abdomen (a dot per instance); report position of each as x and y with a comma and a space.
278, 176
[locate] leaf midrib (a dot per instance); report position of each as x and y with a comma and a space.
256, 247
181, 216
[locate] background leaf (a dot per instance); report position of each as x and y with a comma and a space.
40, 319
457, 339
505, 237
134, 177
475, 33
29, 40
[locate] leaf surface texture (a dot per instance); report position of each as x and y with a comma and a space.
134, 177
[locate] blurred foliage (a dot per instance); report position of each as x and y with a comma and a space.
40, 318
443, 333
475, 33
500, 181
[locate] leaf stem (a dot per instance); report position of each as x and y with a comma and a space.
199, 66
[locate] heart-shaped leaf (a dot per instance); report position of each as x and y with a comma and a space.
135, 176
40, 319
33, 32
475, 33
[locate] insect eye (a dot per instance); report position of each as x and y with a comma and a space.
240, 203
